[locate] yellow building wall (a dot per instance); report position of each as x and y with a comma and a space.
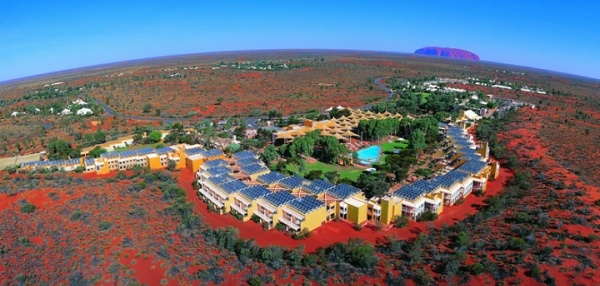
154, 162
314, 219
389, 210
253, 206
104, 169
254, 176
357, 215
277, 215
193, 164
181, 155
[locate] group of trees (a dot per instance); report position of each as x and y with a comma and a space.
325, 148
60, 149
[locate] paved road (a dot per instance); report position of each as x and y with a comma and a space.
251, 121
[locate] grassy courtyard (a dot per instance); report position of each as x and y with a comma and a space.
351, 173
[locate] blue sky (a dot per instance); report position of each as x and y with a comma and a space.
41, 36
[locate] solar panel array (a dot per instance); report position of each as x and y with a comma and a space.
472, 167
254, 169
451, 178
163, 150
409, 193
244, 154
270, 178
216, 163
89, 161
194, 151
254, 192
306, 204
293, 182
425, 186
343, 191
129, 153
52, 163
317, 187
248, 161
220, 180
279, 198
217, 171
233, 186
30, 163
212, 153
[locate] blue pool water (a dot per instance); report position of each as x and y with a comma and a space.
369, 155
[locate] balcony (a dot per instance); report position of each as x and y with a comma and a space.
290, 224
211, 198
264, 216
239, 209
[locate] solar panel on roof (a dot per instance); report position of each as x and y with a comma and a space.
254, 169
220, 180
248, 161
212, 153
306, 204
254, 192
343, 191
292, 182
244, 154
163, 150
270, 178
216, 163
317, 186
279, 198
233, 186
472, 167
408, 193
217, 171
193, 151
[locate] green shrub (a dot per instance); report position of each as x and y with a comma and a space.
427, 216
476, 269
27, 208
105, 225
400, 221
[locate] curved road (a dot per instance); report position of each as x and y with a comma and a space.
250, 120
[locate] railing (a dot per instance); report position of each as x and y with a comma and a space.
289, 223
264, 216
211, 198
239, 209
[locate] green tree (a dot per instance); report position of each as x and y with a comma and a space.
27, 207
417, 141
155, 136
97, 151
99, 137
269, 154
147, 108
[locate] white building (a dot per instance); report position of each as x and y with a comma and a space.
84, 111
79, 101
66, 111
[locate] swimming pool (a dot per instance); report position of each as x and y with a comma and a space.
369, 155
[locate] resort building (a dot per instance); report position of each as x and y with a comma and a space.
340, 128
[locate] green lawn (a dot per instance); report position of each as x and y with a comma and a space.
140, 146
351, 173
390, 146
424, 96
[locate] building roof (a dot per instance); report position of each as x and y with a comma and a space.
343, 191
220, 180
254, 192
451, 178
248, 161
317, 187
217, 171
409, 193
233, 186
216, 163
193, 151
270, 178
279, 198
293, 182
163, 150
212, 153
306, 204
472, 167
245, 154
425, 186
254, 169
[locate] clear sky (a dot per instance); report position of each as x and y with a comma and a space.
45, 36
